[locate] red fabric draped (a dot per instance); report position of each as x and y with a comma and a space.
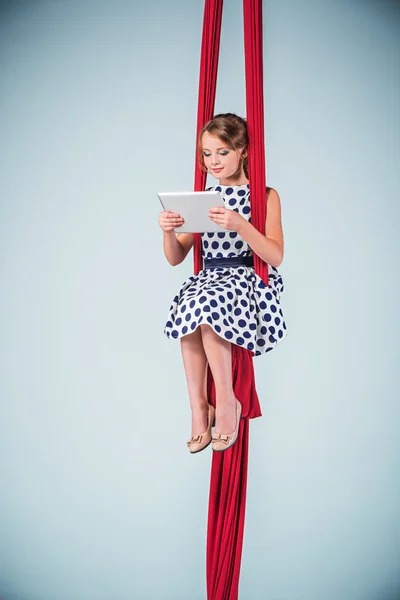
207, 87
253, 54
228, 482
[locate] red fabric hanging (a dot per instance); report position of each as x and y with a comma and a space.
206, 101
228, 482
253, 54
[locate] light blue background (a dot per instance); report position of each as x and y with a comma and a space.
100, 498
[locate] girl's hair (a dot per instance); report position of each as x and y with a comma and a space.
232, 130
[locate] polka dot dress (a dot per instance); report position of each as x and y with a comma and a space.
234, 301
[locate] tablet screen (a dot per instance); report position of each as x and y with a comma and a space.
193, 207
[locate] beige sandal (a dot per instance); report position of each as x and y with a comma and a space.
198, 443
221, 441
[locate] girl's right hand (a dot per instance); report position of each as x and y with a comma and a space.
169, 220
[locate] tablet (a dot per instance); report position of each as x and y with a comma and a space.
193, 207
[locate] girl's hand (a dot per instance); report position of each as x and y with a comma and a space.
169, 220
228, 219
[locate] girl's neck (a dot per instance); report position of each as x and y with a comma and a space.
240, 181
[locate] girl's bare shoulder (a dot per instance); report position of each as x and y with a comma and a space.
273, 198
271, 191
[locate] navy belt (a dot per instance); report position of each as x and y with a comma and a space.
229, 261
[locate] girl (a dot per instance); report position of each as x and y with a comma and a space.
226, 302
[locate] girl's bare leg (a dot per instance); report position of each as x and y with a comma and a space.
218, 353
195, 363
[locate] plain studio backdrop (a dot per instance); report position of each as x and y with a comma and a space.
100, 498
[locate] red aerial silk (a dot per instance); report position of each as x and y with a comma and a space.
207, 87
253, 54
227, 498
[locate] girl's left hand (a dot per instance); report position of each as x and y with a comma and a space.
226, 218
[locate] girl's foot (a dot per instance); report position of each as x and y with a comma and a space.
222, 441
225, 416
203, 440
199, 418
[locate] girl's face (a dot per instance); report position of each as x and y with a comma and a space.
221, 161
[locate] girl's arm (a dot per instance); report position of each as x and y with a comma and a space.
269, 247
175, 249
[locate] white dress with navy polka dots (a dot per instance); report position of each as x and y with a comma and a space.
234, 301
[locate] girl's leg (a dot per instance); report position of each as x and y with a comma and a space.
195, 363
218, 352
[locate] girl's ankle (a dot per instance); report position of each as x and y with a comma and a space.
226, 401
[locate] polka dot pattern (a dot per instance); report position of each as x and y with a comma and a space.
234, 301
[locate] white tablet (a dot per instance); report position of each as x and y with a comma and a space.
193, 207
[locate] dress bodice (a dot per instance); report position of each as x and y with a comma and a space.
223, 244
